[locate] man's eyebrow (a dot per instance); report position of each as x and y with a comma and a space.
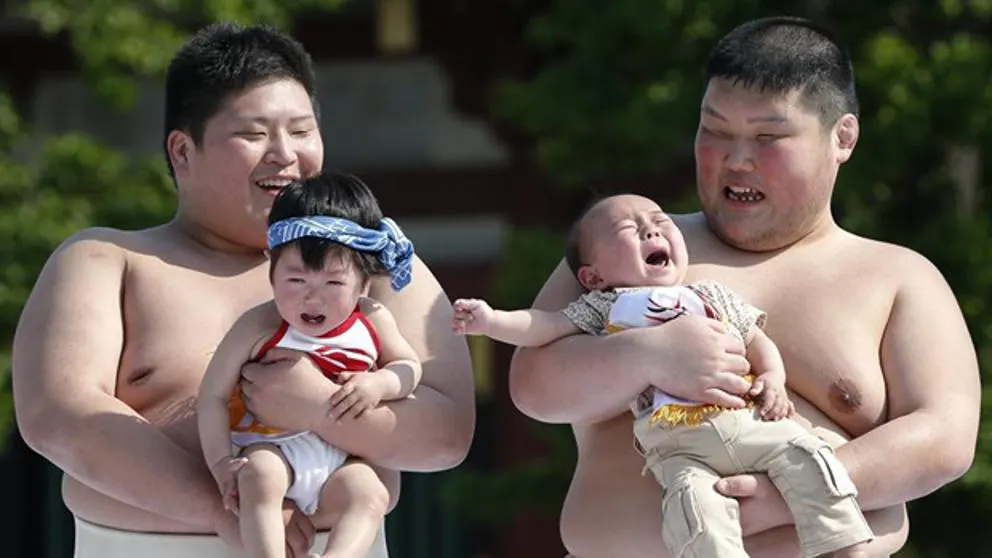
713, 112
263, 120
773, 118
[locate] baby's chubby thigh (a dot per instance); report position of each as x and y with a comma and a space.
266, 476
355, 486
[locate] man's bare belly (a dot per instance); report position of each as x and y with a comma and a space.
168, 343
611, 509
177, 419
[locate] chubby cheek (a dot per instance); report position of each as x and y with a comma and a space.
708, 158
286, 300
311, 156
785, 172
680, 253
625, 262
242, 156
773, 163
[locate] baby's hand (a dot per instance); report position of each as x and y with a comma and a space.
472, 316
225, 473
358, 393
770, 392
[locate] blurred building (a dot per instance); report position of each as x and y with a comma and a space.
404, 88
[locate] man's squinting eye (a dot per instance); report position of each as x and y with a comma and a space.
715, 133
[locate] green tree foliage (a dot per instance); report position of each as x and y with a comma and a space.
52, 187
618, 94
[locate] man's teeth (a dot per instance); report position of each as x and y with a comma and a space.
273, 184
737, 193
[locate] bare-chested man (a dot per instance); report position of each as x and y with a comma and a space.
875, 346
116, 336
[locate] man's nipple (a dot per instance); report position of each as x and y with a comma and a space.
845, 396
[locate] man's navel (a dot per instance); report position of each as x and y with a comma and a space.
140, 376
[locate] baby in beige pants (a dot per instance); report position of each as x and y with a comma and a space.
632, 260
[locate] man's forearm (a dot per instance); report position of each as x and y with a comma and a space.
118, 453
927, 460
424, 433
576, 379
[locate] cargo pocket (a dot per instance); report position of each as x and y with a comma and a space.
838, 482
682, 522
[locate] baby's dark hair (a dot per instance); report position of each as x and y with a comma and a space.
575, 245
329, 194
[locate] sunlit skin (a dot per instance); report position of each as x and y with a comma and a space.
766, 168
267, 136
138, 315
633, 243
314, 301
774, 151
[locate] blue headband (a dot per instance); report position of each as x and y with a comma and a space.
393, 248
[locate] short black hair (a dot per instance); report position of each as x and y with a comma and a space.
575, 249
783, 54
224, 59
330, 194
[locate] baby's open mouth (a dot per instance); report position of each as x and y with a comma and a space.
658, 257
312, 319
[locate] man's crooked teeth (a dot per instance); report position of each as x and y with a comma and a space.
744, 194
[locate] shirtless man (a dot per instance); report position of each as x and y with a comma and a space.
117, 333
875, 346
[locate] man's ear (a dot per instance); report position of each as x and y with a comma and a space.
179, 147
589, 278
846, 133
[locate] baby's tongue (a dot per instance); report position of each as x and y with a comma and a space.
312, 319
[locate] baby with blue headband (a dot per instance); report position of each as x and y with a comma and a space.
327, 237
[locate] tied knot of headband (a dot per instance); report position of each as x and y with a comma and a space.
388, 242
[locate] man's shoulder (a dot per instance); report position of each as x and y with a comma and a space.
91, 249
886, 258
109, 241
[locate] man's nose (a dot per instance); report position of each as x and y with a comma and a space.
740, 157
281, 151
